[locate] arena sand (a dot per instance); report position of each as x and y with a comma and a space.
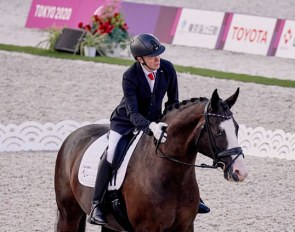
51, 90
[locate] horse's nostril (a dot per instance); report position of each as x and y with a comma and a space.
235, 176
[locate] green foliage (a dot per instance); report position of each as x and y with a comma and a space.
110, 23
93, 40
53, 35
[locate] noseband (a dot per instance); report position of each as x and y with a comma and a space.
217, 156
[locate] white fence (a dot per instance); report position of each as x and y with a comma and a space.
34, 136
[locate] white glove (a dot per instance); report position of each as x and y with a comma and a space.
156, 128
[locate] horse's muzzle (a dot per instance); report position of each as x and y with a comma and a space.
236, 170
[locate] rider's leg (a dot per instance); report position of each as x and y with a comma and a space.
97, 215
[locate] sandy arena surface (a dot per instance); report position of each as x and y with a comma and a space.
51, 90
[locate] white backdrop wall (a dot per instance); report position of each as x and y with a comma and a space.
33, 136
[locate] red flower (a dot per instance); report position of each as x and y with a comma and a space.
97, 18
80, 25
125, 27
106, 27
109, 29
110, 23
87, 27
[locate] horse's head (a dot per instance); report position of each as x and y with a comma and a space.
208, 127
219, 137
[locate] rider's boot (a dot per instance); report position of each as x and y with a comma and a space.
203, 208
97, 215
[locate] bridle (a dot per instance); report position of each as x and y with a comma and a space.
217, 156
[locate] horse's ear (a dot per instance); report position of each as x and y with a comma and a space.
215, 100
232, 99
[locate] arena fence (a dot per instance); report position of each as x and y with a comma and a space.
34, 136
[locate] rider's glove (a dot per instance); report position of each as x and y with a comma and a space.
157, 129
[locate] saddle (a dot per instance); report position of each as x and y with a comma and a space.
113, 201
91, 158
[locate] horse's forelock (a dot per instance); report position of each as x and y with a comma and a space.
224, 106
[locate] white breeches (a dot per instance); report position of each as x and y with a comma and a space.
114, 138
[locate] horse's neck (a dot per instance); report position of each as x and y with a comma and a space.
152, 167
182, 125
154, 163
151, 173
167, 174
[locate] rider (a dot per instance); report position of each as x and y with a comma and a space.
145, 84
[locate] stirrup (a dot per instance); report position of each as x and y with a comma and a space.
102, 220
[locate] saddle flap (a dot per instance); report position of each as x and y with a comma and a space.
89, 163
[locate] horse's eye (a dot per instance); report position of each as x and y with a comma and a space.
219, 132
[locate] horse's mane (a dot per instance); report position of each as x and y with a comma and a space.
181, 104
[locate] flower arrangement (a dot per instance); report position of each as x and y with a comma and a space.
92, 41
109, 25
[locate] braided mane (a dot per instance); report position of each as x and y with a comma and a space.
181, 104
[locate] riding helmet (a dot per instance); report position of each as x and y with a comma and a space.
146, 45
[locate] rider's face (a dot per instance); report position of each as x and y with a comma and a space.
152, 62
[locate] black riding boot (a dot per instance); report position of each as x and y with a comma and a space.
97, 215
203, 208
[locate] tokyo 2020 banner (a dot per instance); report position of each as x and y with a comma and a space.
60, 13
179, 26
141, 18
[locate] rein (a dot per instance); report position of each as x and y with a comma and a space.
170, 158
216, 155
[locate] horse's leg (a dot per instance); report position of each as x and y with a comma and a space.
71, 217
73, 200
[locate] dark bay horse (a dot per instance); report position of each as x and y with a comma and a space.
160, 189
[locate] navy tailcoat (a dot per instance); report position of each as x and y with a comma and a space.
139, 106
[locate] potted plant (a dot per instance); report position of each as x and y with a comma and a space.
117, 35
53, 35
92, 43
109, 23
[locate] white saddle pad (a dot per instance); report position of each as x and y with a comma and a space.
89, 164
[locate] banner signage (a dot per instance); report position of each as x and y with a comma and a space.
178, 26
198, 28
250, 34
61, 13
286, 47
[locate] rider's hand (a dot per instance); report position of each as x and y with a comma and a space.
157, 129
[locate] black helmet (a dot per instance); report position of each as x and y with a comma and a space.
146, 45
